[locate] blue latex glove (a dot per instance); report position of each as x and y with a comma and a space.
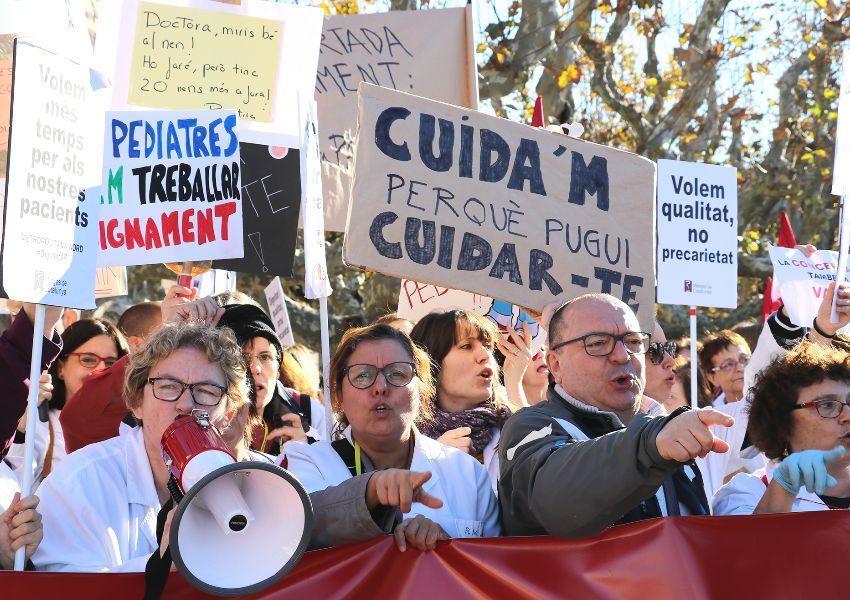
808, 468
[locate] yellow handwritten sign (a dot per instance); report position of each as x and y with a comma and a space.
186, 58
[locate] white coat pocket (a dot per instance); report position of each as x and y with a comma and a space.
465, 528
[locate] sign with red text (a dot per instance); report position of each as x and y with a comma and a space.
171, 187
425, 52
803, 280
415, 300
50, 224
111, 282
697, 234
460, 199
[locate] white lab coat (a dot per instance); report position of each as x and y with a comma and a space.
716, 468
42, 441
744, 491
9, 486
99, 509
470, 508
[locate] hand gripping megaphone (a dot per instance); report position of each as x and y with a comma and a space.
239, 526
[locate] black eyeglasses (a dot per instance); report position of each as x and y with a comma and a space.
397, 374
603, 344
658, 349
170, 390
828, 408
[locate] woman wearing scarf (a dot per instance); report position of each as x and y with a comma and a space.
468, 411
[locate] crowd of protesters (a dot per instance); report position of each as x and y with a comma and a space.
454, 426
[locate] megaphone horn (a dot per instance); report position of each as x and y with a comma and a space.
239, 526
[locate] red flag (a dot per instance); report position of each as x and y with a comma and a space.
537, 119
772, 301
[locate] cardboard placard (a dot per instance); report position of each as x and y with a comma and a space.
271, 198
429, 53
276, 300
415, 300
171, 189
110, 282
697, 234
460, 199
802, 281
253, 56
50, 225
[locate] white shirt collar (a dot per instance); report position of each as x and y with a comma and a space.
141, 488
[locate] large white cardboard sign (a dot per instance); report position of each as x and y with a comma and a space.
453, 197
252, 56
276, 300
171, 187
50, 226
415, 300
803, 280
425, 52
697, 234
316, 282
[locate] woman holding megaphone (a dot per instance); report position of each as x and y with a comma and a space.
100, 505
382, 475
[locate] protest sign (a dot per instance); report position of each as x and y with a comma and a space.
110, 282
316, 284
429, 53
276, 300
506, 210
802, 280
697, 234
171, 187
253, 56
271, 198
415, 300
50, 231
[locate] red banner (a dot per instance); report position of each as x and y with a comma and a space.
774, 556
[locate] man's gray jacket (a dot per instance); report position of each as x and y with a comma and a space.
571, 473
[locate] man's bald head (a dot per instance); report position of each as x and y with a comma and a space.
571, 312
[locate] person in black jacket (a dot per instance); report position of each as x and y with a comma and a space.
286, 413
586, 458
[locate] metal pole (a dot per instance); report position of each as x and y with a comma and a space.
32, 413
694, 358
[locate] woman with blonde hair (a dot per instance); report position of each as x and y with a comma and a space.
100, 505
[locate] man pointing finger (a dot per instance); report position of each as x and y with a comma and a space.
586, 458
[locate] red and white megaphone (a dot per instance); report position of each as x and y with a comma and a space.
239, 526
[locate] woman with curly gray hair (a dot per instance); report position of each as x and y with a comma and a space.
101, 504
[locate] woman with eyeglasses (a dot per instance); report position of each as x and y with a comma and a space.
800, 419
723, 358
470, 405
381, 475
100, 506
88, 345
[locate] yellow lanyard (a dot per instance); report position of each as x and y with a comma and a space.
358, 466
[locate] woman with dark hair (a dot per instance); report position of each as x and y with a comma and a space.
468, 411
88, 345
800, 419
381, 475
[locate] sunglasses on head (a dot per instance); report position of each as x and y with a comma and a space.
657, 350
